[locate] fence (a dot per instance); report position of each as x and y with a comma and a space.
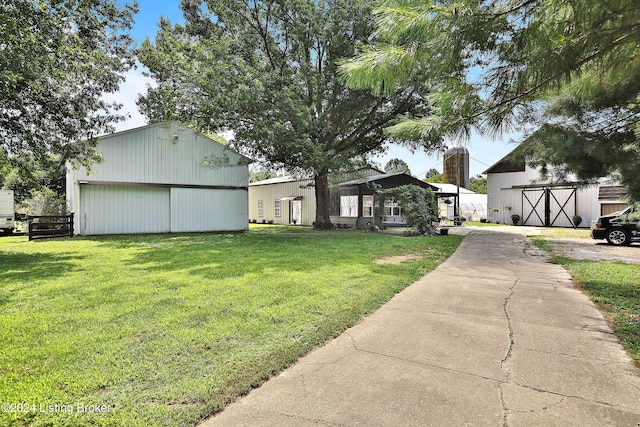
49, 226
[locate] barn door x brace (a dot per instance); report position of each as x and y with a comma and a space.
545, 196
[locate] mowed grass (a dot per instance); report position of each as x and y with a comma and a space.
565, 233
162, 330
615, 288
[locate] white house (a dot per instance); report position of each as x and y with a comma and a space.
514, 187
160, 178
283, 200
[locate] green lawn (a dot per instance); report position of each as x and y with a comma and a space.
615, 288
165, 329
565, 233
480, 224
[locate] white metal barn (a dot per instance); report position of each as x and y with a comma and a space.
155, 179
516, 188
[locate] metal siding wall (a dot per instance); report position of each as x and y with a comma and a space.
150, 155
196, 209
500, 195
588, 205
121, 210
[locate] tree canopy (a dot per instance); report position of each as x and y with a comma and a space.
567, 72
397, 165
478, 184
57, 60
261, 175
268, 71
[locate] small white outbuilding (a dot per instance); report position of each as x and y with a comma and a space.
160, 178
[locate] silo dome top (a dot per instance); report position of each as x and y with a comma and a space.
456, 150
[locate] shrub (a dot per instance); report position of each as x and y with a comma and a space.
43, 202
418, 206
577, 220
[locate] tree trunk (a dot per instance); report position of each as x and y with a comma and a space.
323, 221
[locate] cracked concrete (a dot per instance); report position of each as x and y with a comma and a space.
494, 336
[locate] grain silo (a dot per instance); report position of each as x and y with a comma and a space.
456, 166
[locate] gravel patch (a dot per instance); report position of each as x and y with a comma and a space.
399, 259
595, 250
583, 249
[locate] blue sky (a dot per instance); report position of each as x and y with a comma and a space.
483, 152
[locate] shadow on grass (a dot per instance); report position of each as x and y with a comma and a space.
20, 270
23, 267
215, 256
229, 255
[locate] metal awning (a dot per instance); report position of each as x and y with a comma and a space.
611, 192
289, 198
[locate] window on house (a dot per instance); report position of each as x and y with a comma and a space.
260, 208
391, 208
349, 206
276, 208
367, 206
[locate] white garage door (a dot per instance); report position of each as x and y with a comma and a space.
123, 209
201, 209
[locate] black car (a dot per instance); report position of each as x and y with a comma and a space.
619, 228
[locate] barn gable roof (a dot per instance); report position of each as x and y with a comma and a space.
388, 180
182, 128
509, 163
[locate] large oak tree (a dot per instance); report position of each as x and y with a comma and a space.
268, 70
57, 60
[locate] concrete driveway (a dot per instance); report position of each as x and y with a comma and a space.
575, 248
495, 336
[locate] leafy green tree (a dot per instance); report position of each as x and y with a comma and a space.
43, 202
268, 71
396, 166
37, 183
57, 60
432, 172
567, 69
433, 175
261, 175
418, 206
437, 178
478, 184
